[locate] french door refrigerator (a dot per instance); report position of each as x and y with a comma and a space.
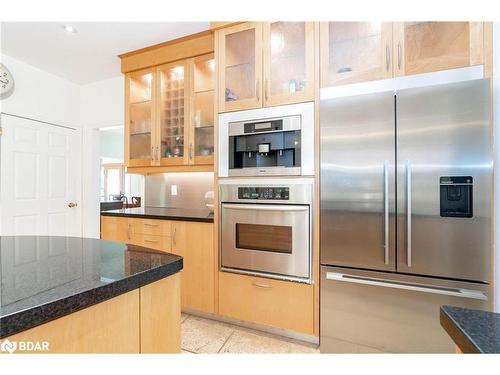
406, 181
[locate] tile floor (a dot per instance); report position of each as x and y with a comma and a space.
207, 336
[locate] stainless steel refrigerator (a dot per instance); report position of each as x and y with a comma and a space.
406, 182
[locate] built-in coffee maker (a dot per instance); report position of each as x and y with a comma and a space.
271, 146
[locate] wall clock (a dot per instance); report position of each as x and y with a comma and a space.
6, 82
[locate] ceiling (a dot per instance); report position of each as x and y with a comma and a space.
90, 54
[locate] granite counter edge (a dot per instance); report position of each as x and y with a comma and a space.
41, 314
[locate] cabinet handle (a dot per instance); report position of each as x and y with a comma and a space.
265, 89
387, 57
152, 241
153, 153
190, 151
174, 237
150, 225
265, 286
399, 55
257, 89
128, 231
157, 153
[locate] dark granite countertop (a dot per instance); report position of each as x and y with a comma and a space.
44, 278
163, 213
473, 331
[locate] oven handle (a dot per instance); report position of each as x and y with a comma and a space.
264, 207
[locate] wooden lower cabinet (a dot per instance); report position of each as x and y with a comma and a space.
276, 303
193, 241
144, 320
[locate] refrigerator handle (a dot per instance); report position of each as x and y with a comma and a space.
454, 292
408, 213
386, 211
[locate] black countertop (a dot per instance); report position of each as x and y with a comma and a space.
44, 278
473, 331
163, 213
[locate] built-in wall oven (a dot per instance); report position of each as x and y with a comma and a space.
266, 227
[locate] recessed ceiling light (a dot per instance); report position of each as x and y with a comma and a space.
69, 29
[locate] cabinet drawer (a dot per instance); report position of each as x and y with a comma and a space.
153, 227
114, 228
162, 243
276, 303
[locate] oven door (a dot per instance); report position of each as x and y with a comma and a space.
269, 239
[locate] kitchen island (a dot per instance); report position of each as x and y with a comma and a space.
473, 331
81, 295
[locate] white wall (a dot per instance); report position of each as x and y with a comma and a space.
42, 96
112, 144
46, 97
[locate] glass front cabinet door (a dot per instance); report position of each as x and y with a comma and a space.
355, 52
173, 113
240, 70
288, 62
201, 144
139, 122
422, 47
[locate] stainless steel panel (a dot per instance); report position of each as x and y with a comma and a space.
358, 181
365, 311
289, 123
296, 264
443, 131
265, 171
191, 189
300, 190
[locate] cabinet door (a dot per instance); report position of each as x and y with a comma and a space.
288, 62
355, 52
201, 140
194, 242
240, 67
422, 47
173, 112
140, 118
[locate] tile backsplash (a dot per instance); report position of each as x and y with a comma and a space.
178, 190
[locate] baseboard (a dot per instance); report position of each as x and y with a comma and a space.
258, 327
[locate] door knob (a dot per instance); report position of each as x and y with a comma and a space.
72, 204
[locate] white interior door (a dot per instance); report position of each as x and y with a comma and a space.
40, 179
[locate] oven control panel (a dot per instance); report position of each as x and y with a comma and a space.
271, 193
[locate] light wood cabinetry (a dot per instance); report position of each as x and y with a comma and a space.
422, 47
170, 114
192, 240
363, 51
355, 51
276, 303
140, 104
169, 108
144, 320
265, 64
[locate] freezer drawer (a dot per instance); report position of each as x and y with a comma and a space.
364, 311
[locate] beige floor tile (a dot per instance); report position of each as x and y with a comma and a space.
184, 317
246, 341
203, 335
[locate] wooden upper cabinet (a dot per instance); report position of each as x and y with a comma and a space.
173, 112
140, 101
288, 62
240, 67
202, 111
422, 47
355, 51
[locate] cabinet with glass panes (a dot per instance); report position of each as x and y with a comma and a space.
139, 128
